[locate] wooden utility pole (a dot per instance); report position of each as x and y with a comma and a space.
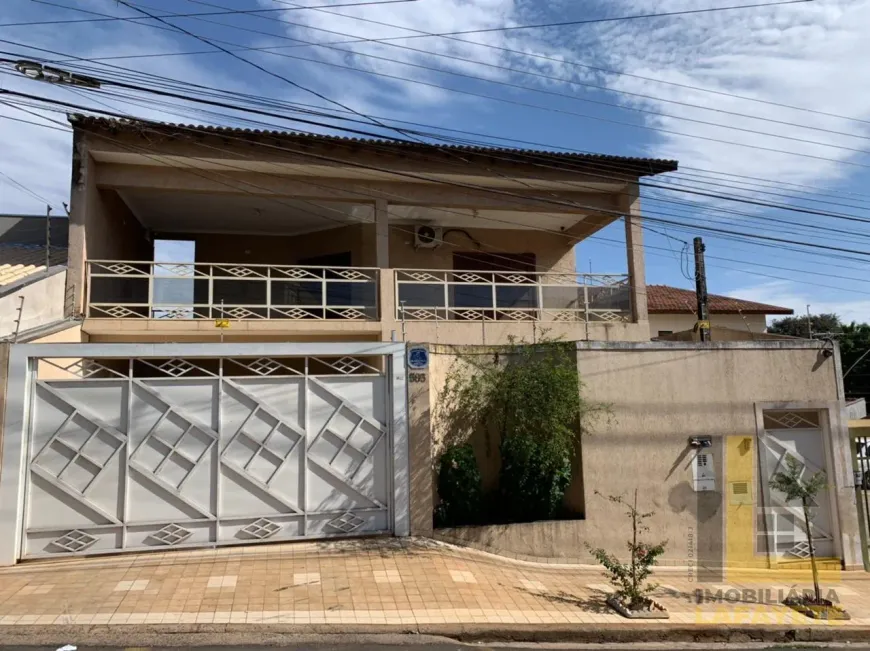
701, 290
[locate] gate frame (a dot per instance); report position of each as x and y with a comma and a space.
22, 366
836, 444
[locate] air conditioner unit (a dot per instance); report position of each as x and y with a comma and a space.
428, 237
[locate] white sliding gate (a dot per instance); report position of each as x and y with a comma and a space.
201, 444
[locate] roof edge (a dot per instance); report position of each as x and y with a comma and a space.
630, 166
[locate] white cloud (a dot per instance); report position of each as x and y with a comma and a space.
797, 297
800, 55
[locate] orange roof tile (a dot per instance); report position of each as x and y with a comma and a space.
662, 299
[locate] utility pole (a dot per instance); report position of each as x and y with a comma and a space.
701, 290
809, 324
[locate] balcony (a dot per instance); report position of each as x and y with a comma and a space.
201, 291
170, 300
450, 295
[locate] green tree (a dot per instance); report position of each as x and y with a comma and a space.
854, 347
796, 326
854, 341
795, 487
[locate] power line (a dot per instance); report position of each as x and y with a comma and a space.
483, 218
515, 70
516, 86
444, 210
24, 188
567, 23
556, 110
537, 199
680, 189
191, 15
665, 214
333, 126
562, 61
653, 197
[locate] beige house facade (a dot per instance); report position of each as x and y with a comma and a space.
233, 362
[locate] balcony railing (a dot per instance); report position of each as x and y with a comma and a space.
171, 290
449, 295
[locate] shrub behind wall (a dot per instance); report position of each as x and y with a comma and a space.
521, 404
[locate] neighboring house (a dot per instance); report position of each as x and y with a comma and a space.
673, 310
27, 273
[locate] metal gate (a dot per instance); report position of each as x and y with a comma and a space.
797, 434
165, 450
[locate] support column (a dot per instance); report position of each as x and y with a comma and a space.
382, 234
420, 442
81, 194
386, 286
630, 202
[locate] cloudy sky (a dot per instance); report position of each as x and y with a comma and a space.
766, 105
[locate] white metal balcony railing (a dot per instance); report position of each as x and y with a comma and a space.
171, 290
190, 291
450, 295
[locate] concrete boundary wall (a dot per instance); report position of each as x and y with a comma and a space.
661, 395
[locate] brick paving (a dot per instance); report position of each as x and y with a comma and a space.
376, 581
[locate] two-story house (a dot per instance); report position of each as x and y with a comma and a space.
243, 300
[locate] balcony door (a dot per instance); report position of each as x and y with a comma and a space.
493, 288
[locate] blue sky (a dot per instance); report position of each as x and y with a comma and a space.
807, 55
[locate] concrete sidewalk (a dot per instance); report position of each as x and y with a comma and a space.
377, 584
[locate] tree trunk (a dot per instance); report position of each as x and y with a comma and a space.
816, 587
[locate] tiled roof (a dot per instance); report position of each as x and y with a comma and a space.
18, 261
627, 164
662, 299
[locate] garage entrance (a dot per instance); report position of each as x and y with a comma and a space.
206, 444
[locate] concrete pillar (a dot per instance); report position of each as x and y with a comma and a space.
81, 192
420, 451
630, 201
387, 306
382, 234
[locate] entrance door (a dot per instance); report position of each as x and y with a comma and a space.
781, 529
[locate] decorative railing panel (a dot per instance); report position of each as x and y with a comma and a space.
455, 295
189, 291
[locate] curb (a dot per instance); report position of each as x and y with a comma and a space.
269, 634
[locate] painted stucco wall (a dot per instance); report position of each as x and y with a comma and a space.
661, 394
43, 303
682, 322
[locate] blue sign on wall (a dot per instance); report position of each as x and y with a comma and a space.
418, 358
